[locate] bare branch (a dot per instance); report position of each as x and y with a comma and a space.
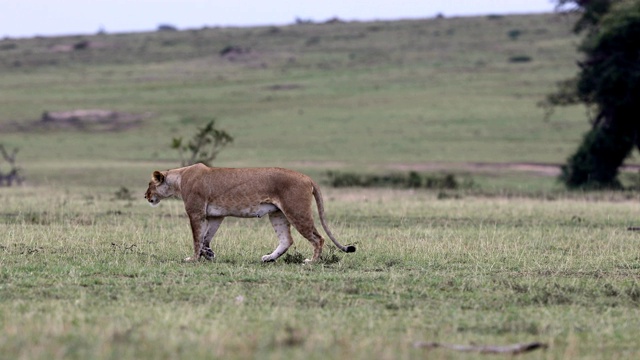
14, 174
11, 159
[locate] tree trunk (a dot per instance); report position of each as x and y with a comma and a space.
595, 164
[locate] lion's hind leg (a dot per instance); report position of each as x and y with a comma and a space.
317, 241
306, 228
303, 222
282, 228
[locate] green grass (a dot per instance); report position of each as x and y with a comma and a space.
358, 95
514, 258
85, 276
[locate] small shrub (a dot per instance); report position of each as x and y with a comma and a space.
273, 30
204, 146
123, 194
448, 181
300, 21
520, 59
167, 27
314, 40
170, 42
232, 49
414, 180
81, 45
293, 257
338, 180
8, 46
514, 34
410, 180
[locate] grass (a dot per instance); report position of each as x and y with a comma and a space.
87, 270
102, 278
361, 95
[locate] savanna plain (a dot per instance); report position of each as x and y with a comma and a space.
89, 270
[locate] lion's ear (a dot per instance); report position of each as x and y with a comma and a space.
157, 177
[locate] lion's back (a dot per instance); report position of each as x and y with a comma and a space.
267, 182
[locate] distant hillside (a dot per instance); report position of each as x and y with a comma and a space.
459, 39
356, 95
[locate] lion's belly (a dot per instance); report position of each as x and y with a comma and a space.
258, 210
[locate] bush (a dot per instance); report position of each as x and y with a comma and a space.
520, 59
123, 194
204, 146
514, 34
167, 27
410, 180
8, 46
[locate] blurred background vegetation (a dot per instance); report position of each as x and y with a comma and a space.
442, 95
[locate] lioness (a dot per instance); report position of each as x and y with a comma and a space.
211, 194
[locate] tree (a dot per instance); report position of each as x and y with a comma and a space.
204, 146
608, 84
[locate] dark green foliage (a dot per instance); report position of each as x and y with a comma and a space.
608, 83
595, 164
167, 27
591, 12
514, 34
81, 45
411, 180
520, 59
8, 45
204, 146
295, 257
610, 76
231, 49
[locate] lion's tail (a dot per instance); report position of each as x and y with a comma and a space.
319, 202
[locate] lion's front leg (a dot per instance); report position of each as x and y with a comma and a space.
198, 229
213, 223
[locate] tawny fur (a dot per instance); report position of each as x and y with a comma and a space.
211, 194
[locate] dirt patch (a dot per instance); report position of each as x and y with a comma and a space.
541, 169
89, 120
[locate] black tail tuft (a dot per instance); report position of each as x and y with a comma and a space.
350, 248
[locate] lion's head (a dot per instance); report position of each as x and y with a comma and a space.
158, 189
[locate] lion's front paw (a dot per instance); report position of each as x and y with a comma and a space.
267, 258
207, 253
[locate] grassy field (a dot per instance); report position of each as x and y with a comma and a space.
88, 270
91, 277
364, 96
